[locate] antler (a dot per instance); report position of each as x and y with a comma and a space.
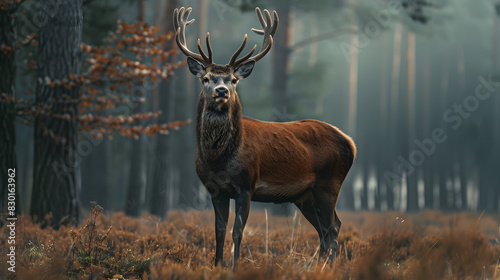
269, 28
180, 22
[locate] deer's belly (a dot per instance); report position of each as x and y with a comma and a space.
279, 192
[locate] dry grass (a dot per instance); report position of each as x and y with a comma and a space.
429, 245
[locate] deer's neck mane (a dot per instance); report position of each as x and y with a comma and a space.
218, 133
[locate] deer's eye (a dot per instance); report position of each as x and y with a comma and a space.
234, 81
205, 80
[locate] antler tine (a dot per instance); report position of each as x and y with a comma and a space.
261, 19
185, 50
261, 53
233, 60
209, 48
202, 53
180, 22
239, 61
208, 58
176, 16
276, 22
269, 27
179, 14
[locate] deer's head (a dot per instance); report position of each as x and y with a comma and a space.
219, 81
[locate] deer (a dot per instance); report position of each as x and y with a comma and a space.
302, 162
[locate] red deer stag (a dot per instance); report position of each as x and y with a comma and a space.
304, 162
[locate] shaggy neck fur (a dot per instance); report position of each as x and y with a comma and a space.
218, 130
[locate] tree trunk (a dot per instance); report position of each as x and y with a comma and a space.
185, 152
464, 159
137, 174
443, 167
313, 48
281, 59
348, 192
383, 151
159, 199
97, 178
189, 190
56, 184
136, 193
492, 181
412, 185
8, 158
190, 183
394, 105
426, 128
280, 70
353, 85
141, 10
365, 179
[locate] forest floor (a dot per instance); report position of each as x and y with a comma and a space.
372, 245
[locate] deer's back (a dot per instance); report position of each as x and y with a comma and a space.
289, 158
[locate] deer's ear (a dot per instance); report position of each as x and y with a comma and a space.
195, 67
244, 70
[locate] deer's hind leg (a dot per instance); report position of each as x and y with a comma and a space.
311, 213
329, 220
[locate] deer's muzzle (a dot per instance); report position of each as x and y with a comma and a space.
221, 94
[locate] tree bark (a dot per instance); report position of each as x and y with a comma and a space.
349, 193
281, 59
57, 157
465, 161
159, 199
280, 70
353, 85
491, 181
412, 180
394, 105
8, 157
426, 129
141, 10
97, 176
443, 167
383, 150
189, 193
136, 193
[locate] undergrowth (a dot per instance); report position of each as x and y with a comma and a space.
390, 245
94, 257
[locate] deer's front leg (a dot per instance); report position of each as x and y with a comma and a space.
221, 208
242, 208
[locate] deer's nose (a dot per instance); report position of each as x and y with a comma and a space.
221, 92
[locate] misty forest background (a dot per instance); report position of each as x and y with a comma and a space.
392, 79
